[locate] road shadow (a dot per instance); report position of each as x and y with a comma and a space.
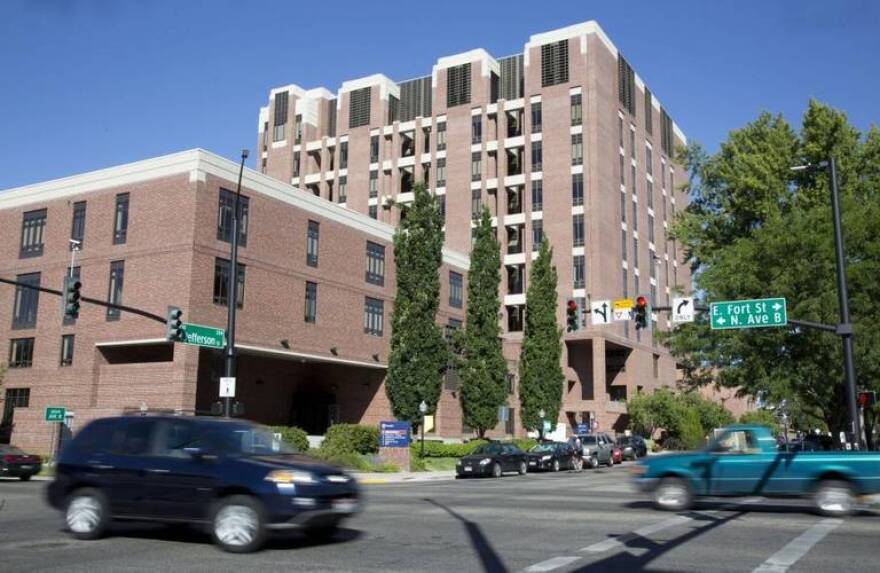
768, 506
489, 558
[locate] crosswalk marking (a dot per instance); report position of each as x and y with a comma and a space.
550, 564
615, 542
780, 561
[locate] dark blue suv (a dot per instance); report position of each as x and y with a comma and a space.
230, 475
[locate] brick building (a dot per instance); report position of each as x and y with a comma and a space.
562, 140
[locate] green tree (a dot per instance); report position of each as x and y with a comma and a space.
540, 371
755, 228
762, 417
711, 414
648, 413
419, 354
483, 369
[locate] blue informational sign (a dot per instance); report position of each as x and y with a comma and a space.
582, 429
394, 434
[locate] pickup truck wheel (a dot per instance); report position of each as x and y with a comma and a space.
672, 494
834, 498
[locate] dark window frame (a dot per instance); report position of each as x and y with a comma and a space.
26, 302
310, 313
67, 349
21, 352
313, 243
120, 218
221, 282
375, 273
33, 231
225, 213
78, 224
374, 316
115, 286
456, 289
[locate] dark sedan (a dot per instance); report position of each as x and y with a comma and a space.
492, 459
632, 447
552, 456
18, 464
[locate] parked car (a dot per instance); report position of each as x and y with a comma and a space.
16, 463
633, 447
492, 459
744, 460
553, 456
230, 475
596, 449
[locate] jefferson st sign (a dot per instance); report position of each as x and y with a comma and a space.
758, 313
207, 336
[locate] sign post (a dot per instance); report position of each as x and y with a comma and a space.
756, 313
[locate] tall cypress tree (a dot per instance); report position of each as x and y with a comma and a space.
419, 354
540, 372
483, 369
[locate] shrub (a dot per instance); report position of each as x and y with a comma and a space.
295, 437
690, 432
435, 449
525, 444
351, 438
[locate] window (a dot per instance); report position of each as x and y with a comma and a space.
15, 398
375, 264
343, 155
225, 217
620, 131
649, 168
21, 352
650, 228
373, 211
537, 234
221, 283
456, 290
393, 110
32, 227
632, 142
623, 244
476, 203
577, 189
441, 172
359, 108
415, 98
297, 129
374, 148
120, 221
71, 319
476, 166
623, 206
66, 350
24, 309
626, 85
537, 119
426, 132
78, 223
636, 253
312, 237
635, 217
625, 283
311, 309
511, 77
635, 187
653, 261
476, 129
649, 105
374, 184
343, 189
649, 192
441, 136
579, 271
577, 149
622, 170
374, 316
667, 141
537, 195
281, 101
296, 163
578, 230
537, 156
441, 200
554, 63
576, 109
515, 318
458, 85
114, 289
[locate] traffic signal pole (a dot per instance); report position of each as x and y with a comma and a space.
232, 290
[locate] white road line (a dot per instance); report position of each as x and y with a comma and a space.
616, 542
780, 561
550, 564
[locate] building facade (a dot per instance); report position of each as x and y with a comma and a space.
562, 141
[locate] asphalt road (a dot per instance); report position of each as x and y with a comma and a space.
591, 521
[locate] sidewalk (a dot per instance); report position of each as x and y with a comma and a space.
372, 478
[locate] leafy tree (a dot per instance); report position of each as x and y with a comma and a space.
689, 432
540, 371
483, 369
651, 412
755, 228
419, 354
711, 414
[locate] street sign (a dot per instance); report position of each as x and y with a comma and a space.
227, 387
600, 312
622, 308
757, 313
582, 429
682, 310
394, 434
54, 414
206, 336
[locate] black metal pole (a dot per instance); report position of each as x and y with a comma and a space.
232, 290
845, 328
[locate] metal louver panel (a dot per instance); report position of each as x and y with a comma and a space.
458, 85
415, 98
511, 77
281, 108
359, 107
554, 63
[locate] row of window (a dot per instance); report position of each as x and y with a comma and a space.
21, 352
33, 227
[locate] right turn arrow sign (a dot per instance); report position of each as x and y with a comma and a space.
682, 310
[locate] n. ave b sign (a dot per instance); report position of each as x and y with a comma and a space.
758, 313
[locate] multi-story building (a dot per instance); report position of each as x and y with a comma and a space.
562, 141
315, 295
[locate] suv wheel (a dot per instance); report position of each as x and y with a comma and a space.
594, 462
237, 525
672, 494
86, 515
834, 498
610, 460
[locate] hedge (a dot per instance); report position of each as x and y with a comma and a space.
351, 438
436, 449
295, 437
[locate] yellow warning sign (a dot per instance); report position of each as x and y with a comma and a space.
622, 304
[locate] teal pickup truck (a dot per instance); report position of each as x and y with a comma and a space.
743, 460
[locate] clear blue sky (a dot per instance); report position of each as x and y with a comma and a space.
86, 84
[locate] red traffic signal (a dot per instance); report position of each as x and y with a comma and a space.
866, 398
572, 305
571, 312
641, 302
641, 312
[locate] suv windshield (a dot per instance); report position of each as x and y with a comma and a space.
247, 439
588, 440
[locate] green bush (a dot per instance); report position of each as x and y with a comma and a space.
690, 432
436, 449
295, 437
351, 438
525, 444
354, 461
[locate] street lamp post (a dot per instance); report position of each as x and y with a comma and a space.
541, 414
232, 289
423, 408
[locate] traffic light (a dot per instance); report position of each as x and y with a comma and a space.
641, 313
571, 313
70, 296
174, 326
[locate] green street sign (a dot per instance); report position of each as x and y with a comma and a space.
206, 336
757, 313
54, 414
